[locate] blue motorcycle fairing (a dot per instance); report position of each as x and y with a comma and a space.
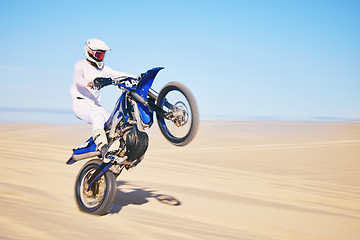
119, 107
142, 89
145, 115
145, 84
126, 87
83, 151
88, 146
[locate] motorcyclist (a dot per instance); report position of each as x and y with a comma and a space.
85, 95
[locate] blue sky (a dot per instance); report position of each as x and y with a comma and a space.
294, 60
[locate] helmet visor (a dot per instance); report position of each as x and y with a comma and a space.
99, 55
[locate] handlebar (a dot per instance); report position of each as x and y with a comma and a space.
132, 91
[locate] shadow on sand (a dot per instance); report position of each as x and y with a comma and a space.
129, 194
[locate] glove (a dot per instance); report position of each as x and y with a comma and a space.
101, 82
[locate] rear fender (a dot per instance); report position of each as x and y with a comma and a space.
85, 150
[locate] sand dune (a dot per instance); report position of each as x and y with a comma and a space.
236, 180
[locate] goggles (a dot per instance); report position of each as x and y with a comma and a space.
98, 55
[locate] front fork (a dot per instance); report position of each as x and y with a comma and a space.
174, 115
152, 99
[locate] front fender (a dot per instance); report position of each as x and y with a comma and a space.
142, 89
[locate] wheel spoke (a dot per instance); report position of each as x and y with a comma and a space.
94, 196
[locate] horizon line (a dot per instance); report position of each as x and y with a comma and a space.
203, 117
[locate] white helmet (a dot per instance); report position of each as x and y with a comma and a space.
95, 51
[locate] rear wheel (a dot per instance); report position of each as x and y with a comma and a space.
99, 198
181, 122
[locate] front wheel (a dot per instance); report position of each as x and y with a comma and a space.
99, 198
181, 120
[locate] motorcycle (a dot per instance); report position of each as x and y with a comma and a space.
177, 116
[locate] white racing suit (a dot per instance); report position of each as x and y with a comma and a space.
85, 100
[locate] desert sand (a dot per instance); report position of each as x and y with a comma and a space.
236, 180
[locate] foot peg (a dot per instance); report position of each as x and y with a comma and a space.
113, 158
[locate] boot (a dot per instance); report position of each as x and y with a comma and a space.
100, 140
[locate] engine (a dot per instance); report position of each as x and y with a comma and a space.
134, 144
